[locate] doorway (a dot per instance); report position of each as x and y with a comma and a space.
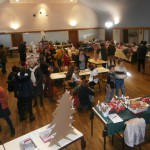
16, 39
73, 37
108, 34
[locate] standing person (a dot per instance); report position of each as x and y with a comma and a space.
120, 75
103, 53
110, 85
81, 60
111, 52
141, 55
67, 59
37, 80
59, 57
24, 90
4, 110
22, 51
3, 58
48, 87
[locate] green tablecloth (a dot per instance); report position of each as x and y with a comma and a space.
125, 115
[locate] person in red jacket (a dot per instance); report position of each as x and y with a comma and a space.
4, 110
67, 60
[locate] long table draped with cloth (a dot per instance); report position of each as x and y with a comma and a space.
62, 75
111, 128
34, 135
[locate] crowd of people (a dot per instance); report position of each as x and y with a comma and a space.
31, 79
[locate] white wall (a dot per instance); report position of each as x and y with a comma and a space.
140, 35
59, 16
5, 39
146, 35
116, 35
102, 34
61, 36
87, 35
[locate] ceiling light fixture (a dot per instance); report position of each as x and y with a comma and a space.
116, 20
108, 24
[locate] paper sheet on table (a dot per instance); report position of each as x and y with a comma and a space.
115, 118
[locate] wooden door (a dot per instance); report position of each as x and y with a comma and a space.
108, 34
73, 37
125, 36
16, 39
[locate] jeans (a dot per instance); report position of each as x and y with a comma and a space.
109, 94
120, 85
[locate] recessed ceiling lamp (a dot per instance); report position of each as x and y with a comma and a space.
108, 24
17, 0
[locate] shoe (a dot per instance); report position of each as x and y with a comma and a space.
22, 119
32, 118
13, 132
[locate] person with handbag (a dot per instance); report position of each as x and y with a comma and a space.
4, 110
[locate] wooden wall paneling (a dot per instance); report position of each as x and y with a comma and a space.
73, 37
16, 38
108, 34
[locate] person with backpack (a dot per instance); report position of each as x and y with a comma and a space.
12, 79
24, 94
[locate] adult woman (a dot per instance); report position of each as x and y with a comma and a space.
72, 77
67, 59
59, 56
120, 75
4, 110
37, 80
81, 60
111, 52
93, 79
84, 93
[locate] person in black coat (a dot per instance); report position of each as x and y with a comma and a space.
84, 93
141, 55
111, 52
22, 51
24, 90
103, 52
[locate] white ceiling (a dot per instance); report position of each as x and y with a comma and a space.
40, 1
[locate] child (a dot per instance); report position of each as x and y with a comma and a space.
120, 74
110, 87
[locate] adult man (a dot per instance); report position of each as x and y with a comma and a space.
22, 51
3, 58
141, 55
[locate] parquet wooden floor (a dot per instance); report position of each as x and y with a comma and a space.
137, 85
